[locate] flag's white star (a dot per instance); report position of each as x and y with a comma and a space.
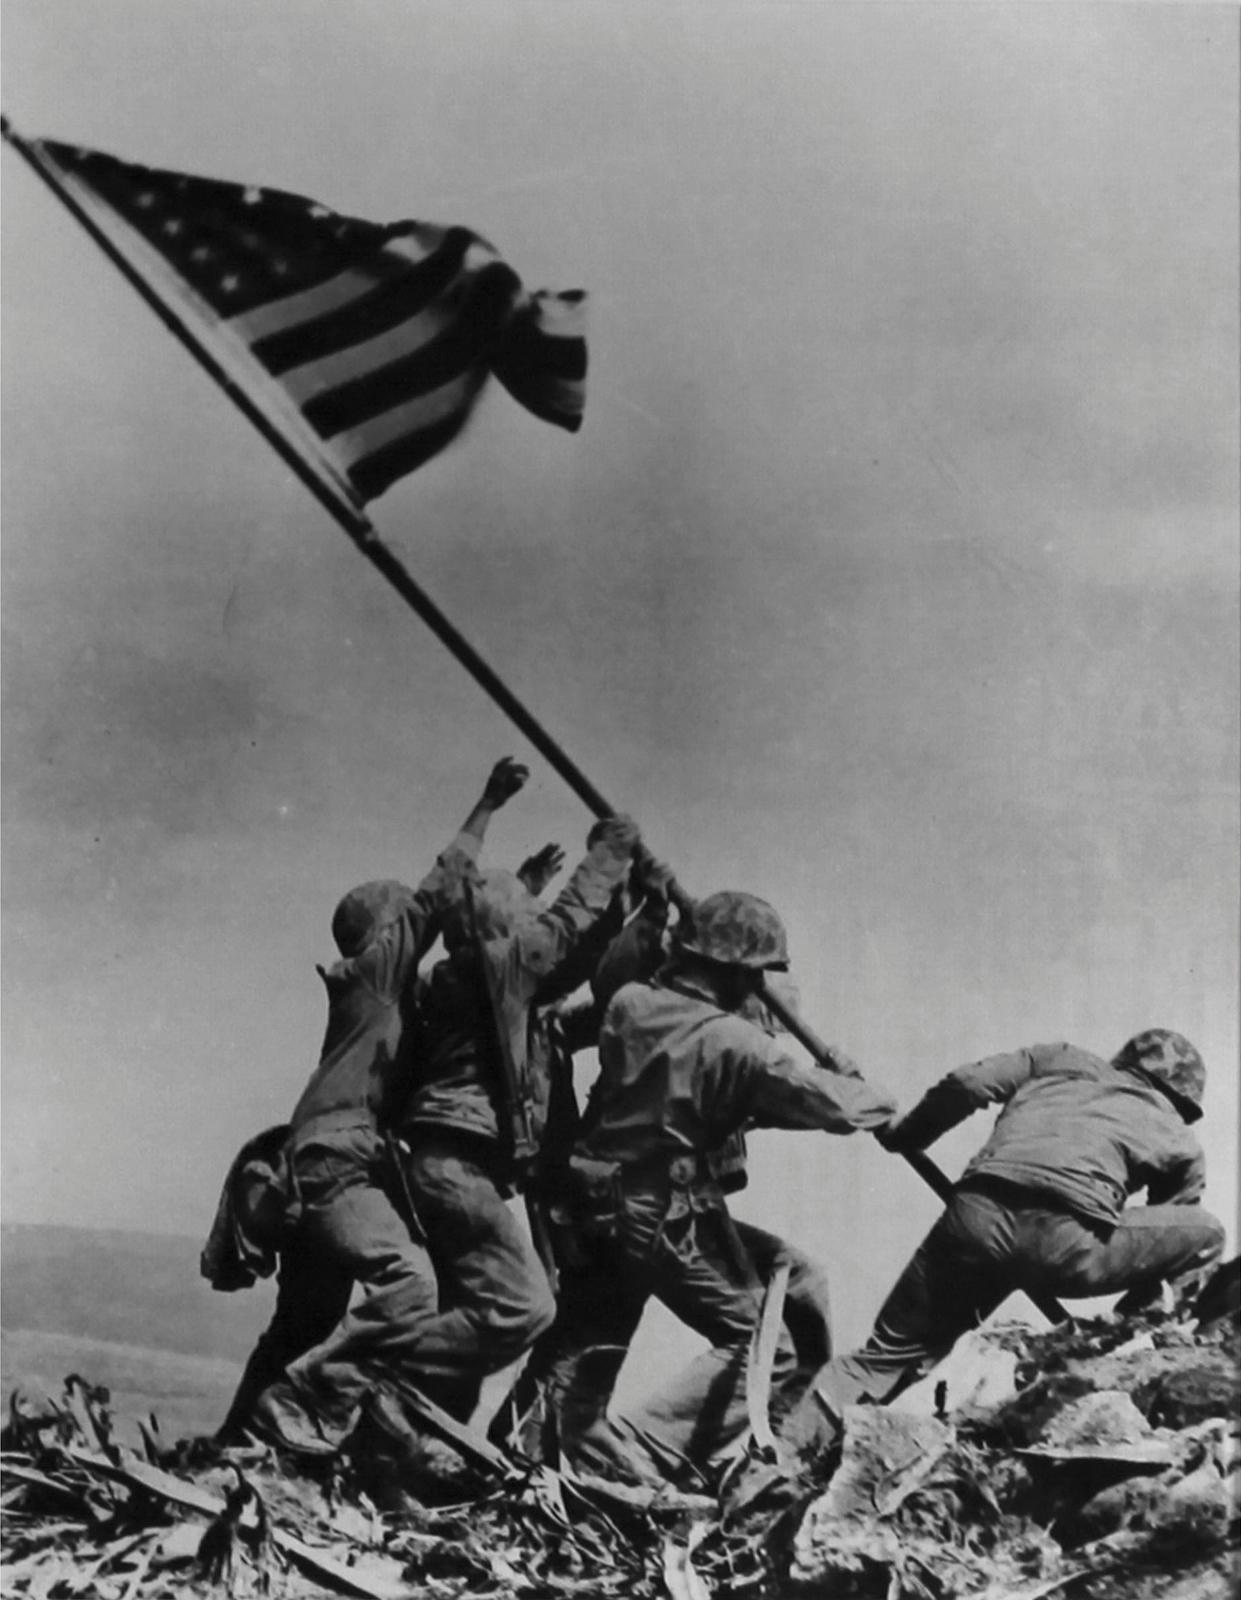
252, 196
319, 211
172, 228
230, 283
145, 200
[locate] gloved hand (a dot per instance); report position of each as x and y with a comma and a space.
650, 877
619, 833
538, 870
508, 776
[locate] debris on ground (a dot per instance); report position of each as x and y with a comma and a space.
1106, 1464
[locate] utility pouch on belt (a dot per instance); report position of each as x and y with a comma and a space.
726, 1164
258, 1208
596, 1195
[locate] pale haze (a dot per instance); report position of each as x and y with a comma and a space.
893, 576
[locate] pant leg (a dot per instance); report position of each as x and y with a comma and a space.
696, 1264
561, 1398
495, 1299
1148, 1246
312, 1296
959, 1274
350, 1225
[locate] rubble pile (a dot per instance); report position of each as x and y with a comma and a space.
1109, 1469
1113, 1469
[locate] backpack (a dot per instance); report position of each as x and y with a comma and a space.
258, 1209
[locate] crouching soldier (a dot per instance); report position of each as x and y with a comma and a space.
306, 1378
477, 1112
1041, 1207
681, 1073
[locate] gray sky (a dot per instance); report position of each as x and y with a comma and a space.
893, 575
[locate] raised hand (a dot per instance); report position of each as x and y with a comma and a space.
538, 870
508, 777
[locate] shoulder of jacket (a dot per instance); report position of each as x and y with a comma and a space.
1061, 1056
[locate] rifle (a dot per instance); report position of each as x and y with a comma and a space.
516, 1098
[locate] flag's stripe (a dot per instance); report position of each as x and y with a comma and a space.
529, 349
410, 418
304, 383
189, 308
383, 306
468, 341
558, 403
373, 474
412, 244
359, 349
274, 316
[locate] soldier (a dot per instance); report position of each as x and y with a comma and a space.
1041, 1207
558, 1407
682, 1072
476, 1118
352, 1229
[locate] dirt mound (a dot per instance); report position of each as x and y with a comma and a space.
1109, 1468
1114, 1468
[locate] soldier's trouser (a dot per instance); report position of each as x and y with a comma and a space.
987, 1245
351, 1233
807, 1323
685, 1250
312, 1295
494, 1297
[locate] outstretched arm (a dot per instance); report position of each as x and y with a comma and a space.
507, 778
992, 1081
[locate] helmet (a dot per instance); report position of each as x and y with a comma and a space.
365, 910
501, 903
1172, 1065
736, 930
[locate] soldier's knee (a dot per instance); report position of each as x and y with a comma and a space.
509, 1329
1212, 1238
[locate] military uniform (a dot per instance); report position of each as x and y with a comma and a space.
488, 1082
352, 1227
1042, 1206
679, 1076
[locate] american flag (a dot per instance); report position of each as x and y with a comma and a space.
369, 341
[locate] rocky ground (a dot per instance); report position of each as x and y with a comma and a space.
1106, 1463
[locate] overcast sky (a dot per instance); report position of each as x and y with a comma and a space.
894, 574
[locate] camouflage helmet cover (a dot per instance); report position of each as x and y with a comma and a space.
364, 911
736, 930
1171, 1062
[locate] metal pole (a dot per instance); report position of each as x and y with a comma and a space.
921, 1163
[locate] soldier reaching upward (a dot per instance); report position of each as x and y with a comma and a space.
351, 1229
477, 1110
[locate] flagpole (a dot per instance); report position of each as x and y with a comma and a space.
349, 516
921, 1163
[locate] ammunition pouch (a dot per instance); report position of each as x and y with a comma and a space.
258, 1209
727, 1164
596, 1196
